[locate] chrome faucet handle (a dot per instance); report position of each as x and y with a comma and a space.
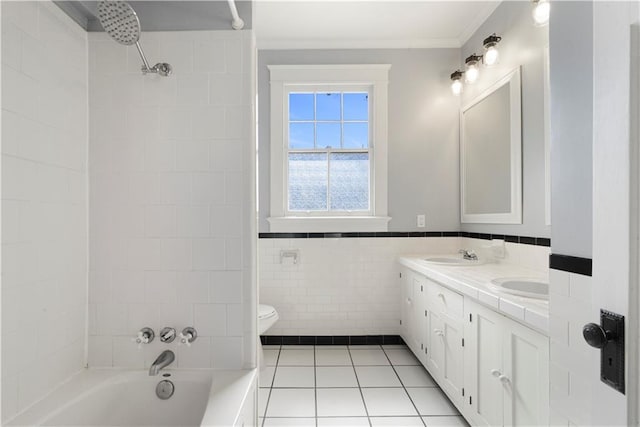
167, 335
145, 336
187, 336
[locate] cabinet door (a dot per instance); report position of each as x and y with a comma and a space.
436, 345
415, 314
483, 352
452, 367
404, 303
526, 382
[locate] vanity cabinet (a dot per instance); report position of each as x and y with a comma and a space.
494, 369
506, 370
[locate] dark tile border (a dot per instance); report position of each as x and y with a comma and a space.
525, 240
330, 339
571, 264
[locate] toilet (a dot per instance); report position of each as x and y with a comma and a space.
267, 317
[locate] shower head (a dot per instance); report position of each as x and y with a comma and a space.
121, 22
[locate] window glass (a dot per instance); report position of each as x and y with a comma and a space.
355, 135
356, 106
349, 186
308, 181
328, 106
301, 106
328, 135
301, 135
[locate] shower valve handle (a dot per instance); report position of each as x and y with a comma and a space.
187, 336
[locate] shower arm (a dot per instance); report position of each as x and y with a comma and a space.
237, 23
146, 68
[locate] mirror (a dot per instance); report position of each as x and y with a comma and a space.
491, 155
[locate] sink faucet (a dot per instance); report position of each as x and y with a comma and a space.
164, 360
468, 254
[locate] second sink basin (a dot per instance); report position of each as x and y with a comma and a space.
452, 260
525, 287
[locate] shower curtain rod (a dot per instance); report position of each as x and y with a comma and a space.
237, 23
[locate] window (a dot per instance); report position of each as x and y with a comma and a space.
328, 148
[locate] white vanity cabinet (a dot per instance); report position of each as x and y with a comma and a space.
494, 369
506, 370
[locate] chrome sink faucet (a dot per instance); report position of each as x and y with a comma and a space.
468, 254
165, 359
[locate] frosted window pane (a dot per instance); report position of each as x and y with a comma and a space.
349, 181
300, 135
356, 106
307, 182
328, 135
328, 106
300, 106
356, 135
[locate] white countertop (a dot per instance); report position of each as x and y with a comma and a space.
474, 282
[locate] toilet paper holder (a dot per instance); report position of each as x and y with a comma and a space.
294, 254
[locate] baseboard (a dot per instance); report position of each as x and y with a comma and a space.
330, 339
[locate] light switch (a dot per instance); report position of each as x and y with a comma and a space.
420, 220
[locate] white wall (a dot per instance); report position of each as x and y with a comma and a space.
423, 149
44, 201
350, 286
571, 79
171, 201
522, 45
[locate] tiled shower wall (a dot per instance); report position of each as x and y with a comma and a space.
44, 201
170, 186
349, 286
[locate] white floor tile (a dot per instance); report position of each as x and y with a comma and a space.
388, 402
332, 347
394, 346
369, 357
364, 347
335, 376
292, 422
271, 357
332, 357
415, 376
294, 377
431, 401
402, 357
297, 347
445, 421
302, 357
396, 421
291, 403
377, 376
266, 376
343, 422
270, 347
340, 402
263, 398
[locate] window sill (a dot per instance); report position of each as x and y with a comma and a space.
343, 224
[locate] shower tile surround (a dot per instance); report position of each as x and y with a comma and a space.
170, 198
44, 201
349, 286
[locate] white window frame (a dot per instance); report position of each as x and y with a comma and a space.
290, 78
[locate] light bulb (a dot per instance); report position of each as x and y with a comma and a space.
541, 10
456, 87
471, 74
491, 56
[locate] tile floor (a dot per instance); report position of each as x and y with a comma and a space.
350, 386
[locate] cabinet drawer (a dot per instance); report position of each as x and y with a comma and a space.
444, 300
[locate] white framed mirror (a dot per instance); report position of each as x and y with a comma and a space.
491, 155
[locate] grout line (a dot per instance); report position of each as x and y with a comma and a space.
403, 386
366, 410
275, 370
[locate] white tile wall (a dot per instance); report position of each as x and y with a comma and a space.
170, 176
44, 203
350, 286
573, 362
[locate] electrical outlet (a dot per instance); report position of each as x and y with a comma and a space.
421, 220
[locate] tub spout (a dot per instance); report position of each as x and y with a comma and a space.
165, 359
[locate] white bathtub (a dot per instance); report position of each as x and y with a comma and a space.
113, 397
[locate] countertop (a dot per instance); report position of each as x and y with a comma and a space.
474, 282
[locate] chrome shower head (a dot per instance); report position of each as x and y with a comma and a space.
121, 22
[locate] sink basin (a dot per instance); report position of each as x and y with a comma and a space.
525, 287
452, 260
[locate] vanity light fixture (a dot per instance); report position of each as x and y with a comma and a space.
541, 10
472, 70
491, 53
456, 82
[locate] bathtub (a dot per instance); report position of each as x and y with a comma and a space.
115, 397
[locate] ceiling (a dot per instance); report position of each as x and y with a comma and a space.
165, 15
304, 24
367, 23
